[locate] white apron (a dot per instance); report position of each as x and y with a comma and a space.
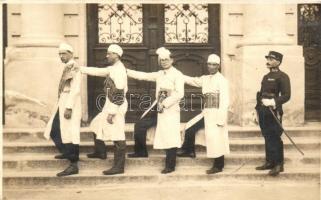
215, 138
110, 132
167, 134
99, 125
69, 98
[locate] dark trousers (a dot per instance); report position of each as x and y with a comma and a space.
189, 140
271, 132
170, 160
72, 152
218, 162
99, 146
140, 132
55, 134
119, 155
189, 143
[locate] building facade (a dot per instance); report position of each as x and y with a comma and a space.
242, 34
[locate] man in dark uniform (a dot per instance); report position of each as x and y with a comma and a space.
275, 91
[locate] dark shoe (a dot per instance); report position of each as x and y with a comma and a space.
167, 170
113, 171
186, 154
213, 170
265, 166
282, 168
102, 156
70, 170
276, 170
61, 156
136, 155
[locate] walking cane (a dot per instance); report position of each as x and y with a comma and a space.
279, 123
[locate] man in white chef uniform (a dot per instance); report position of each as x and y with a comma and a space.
216, 100
64, 125
109, 124
169, 91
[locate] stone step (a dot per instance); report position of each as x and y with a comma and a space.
35, 134
151, 175
236, 144
37, 161
221, 189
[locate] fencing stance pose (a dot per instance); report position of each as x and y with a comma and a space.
216, 97
109, 124
64, 125
169, 91
275, 91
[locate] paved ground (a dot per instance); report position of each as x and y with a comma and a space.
187, 191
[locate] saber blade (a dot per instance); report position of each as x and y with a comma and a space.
279, 123
147, 111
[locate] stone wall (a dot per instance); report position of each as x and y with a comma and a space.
240, 72
32, 65
243, 62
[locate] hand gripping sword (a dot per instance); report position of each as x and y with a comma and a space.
279, 123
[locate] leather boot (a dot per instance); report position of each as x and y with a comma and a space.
213, 170
119, 159
70, 170
170, 161
218, 165
61, 156
188, 154
100, 149
265, 166
137, 155
275, 171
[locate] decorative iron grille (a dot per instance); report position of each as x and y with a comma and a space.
309, 23
120, 23
186, 23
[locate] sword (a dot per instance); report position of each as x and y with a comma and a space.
193, 121
147, 111
277, 120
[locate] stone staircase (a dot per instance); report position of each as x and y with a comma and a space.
28, 162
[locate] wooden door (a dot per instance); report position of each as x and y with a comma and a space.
309, 35
156, 25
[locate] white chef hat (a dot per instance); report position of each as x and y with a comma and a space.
213, 58
115, 49
163, 53
65, 47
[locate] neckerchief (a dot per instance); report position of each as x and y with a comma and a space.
70, 69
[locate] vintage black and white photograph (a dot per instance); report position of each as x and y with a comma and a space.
161, 100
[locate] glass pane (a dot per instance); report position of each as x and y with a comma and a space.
309, 24
120, 23
186, 23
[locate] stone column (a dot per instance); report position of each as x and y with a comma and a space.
264, 30
41, 25
32, 65
265, 25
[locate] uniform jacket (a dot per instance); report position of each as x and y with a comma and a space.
278, 85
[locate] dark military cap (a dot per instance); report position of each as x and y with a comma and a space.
276, 55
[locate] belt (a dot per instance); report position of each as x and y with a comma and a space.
212, 100
268, 95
